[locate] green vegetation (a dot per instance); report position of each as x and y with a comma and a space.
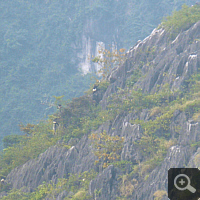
80, 117
122, 165
19, 149
107, 148
181, 20
134, 77
102, 85
11, 140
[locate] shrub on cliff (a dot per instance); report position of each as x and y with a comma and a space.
181, 20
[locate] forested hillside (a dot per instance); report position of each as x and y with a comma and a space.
120, 138
44, 45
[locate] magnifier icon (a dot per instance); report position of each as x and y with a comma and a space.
182, 182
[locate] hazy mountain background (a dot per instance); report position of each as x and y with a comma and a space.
45, 45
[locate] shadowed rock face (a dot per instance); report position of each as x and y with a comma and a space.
161, 61
106, 184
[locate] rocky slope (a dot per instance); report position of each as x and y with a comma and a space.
161, 61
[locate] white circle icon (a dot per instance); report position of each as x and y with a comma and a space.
182, 182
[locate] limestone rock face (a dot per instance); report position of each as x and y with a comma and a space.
54, 163
161, 61
104, 186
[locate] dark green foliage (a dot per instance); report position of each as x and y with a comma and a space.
4, 186
76, 111
123, 165
134, 77
11, 140
80, 116
103, 85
